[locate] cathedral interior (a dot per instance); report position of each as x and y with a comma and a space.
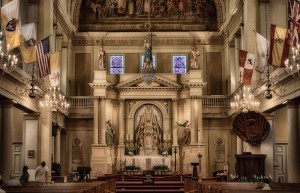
145, 83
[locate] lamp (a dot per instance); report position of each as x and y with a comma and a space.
292, 64
148, 70
8, 62
244, 101
34, 86
54, 100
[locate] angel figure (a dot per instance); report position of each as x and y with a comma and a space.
187, 132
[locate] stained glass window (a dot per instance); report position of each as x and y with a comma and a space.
116, 63
179, 64
153, 60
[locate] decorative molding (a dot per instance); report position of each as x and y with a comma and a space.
264, 1
33, 2
64, 44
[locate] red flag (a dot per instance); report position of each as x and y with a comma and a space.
247, 60
293, 22
279, 46
43, 49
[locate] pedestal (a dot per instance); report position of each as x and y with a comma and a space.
195, 169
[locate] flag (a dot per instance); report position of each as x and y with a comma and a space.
293, 22
43, 56
27, 47
279, 46
11, 24
247, 60
54, 77
262, 45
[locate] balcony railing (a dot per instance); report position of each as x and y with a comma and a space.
207, 101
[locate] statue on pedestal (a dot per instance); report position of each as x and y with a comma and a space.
187, 132
109, 134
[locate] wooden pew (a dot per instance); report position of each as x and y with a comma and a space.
285, 186
80, 187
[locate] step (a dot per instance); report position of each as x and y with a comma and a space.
150, 190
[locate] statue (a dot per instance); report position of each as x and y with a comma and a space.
195, 54
148, 134
187, 132
101, 59
109, 133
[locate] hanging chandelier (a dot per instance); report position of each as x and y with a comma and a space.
244, 101
8, 61
33, 88
54, 100
292, 64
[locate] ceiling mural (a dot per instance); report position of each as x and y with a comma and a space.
133, 15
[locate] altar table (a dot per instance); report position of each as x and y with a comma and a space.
147, 162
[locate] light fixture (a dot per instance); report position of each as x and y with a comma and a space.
33, 86
148, 70
54, 100
292, 64
8, 61
244, 101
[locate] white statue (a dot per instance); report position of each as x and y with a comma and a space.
195, 58
101, 59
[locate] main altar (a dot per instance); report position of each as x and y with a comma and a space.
147, 162
144, 120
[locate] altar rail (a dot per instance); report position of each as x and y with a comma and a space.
207, 101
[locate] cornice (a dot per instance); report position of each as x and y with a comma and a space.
196, 84
99, 85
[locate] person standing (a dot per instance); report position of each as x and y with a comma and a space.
25, 175
41, 173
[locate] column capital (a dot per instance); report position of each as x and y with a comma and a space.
96, 97
195, 97
175, 100
31, 116
121, 99
292, 104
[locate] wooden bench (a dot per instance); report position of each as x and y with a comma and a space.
82, 187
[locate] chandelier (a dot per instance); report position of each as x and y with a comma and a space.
292, 64
54, 100
33, 86
244, 101
8, 62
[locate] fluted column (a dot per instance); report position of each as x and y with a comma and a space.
200, 121
175, 118
194, 132
102, 120
6, 139
96, 121
57, 145
293, 160
121, 122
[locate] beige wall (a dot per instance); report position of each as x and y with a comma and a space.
281, 134
17, 125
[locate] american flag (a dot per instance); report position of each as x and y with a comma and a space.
293, 22
43, 49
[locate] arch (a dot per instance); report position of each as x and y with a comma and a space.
138, 104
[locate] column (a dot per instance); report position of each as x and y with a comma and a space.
194, 132
57, 145
250, 20
121, 122
96, 120
174, 125
102, 120
200, 121
6, 139
293, 158
239, 145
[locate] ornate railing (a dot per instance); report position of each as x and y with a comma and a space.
207, 101
215, 101
81, 101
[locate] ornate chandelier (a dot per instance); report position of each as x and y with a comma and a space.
54, 100
8, 62
244, 101
33, 86
292, 64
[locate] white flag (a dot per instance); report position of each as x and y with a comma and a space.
262, 45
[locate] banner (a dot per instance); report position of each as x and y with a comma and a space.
43, 56
27, 47
293, 22
11, 24
279, 46
247, 60
54, 77
262, 45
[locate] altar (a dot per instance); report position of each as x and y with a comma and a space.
147, 162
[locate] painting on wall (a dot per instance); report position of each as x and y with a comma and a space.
115, 15
77, 152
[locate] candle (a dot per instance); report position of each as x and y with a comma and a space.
127, 137
130, 137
